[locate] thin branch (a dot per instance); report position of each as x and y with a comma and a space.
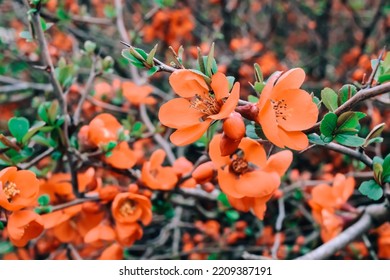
36, 159
74, 202
374, 215
278, 227
157, 137
84, 94
361, 95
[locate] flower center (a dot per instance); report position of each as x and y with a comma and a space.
280, 108
208, 105
10, 190
127, 208
239, 166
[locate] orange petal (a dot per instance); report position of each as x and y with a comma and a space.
295, 140
253, 152
228, 183
302, 111
229, 105
279, 162
215, 152
186, 83
122, 157
343, 187
220, 86
267, 119
258, 183
178, 113
243, 204
157, 158
293, 78
267, 91
259, 206
322, 195
188, 135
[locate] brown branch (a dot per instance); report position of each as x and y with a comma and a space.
361, 95
374, 215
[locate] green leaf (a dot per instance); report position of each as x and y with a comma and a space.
153, 70
315, 139
384, 78
18, 127
206, 78
386, 168
346, 92
328, 124
109, 11
253, 99
210, 70
258, 73
258, 87
374, 134
44, 200
223, 199
371, 189
230, 81
1, 225
348, 123
232, 215
89, 46
349, 140
152, 53
329, 98
201, 66
378, 170
5, 247
133, 60
34, 129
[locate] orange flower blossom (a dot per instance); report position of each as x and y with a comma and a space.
198, 105
285, 110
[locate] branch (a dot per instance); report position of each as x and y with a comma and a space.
350, 152
361, 95
373, 216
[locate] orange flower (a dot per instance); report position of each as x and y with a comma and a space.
285, 110
248, 173
156, 176
384, 241
23, 226
113, 252
130, 207
102, 232
326, 200
127, 234
18, 189
192, 114
136, 94
103, 129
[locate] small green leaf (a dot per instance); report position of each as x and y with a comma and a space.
18, 127
230, 81
44, 200
378, 170
329, 98
386, 168
133, 60
34, 129
210, 61
232, 215
109, 11
89, 46
373, 136
202, 67
150, 57
315, 139
153, 70
223, 199
258, 87
253, 99
328, 124
346, 92
371, 189
1, 225
5, 247
258, 73
349, 140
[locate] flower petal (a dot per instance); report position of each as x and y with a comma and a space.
259, 206
253, 152
178, 113
258, 183
220, 86
279, 162
302, 112
188, 135
292, 79
186, 83
215, 152
267, 119
295, 140
228, 183
229, 105
267, 91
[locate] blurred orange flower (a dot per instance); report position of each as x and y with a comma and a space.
285, 110
136, 94
18, 189
197, 107
130, 207
156, 176
127, 234
23, 226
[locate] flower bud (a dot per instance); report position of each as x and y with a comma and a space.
234, 126
204, 172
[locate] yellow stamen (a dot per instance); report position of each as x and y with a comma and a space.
127, 208
208, 105
10, 190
